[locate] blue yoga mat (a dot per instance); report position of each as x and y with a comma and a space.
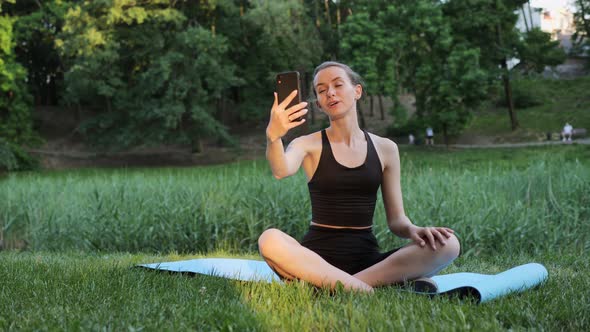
231, 268
485, 287
482, 287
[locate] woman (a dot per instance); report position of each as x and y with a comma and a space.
345, 166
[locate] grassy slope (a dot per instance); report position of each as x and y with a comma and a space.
92, 290
561, 101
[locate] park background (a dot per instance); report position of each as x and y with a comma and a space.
109, 111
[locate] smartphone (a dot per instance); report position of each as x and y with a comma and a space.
286, 83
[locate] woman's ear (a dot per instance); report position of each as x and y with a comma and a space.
358, 92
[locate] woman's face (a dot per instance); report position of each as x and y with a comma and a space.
335, 92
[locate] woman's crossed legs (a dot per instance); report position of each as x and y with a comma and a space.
292, 260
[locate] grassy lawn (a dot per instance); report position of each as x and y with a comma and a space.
559, 101
81, 232
76, 291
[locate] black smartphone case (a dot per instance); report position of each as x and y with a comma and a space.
286, 83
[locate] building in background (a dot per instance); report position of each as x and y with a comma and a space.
559, 23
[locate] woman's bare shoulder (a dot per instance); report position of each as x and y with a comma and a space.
313, 138
308, 142
384, 144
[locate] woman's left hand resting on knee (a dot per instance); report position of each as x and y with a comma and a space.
429, 235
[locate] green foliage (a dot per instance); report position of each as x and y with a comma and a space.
445, 76
14, 158
278, 36
151, 75
158, 71
15, 100
35, 32
362, 46
537, 51
581, 37
7, 158
490, 27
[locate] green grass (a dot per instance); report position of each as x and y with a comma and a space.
75, 291
487, 197
559, 101
80, 232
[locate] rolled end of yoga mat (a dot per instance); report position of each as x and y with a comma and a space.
485, 287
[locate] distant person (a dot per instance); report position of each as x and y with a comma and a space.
411, 139
567, 132
429, 136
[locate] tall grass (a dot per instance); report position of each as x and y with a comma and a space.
532, 205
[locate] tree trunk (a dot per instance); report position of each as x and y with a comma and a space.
338, 20
361, 114
508, 93
222, 115
526, 25
316, 9
78, 113
445, 135
328, 17
381, 107
530, 15
506, 81
197, 145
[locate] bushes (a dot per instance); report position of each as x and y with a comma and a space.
7, 157
14, 158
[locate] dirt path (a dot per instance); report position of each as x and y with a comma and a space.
584, 141
64, 151
176, 157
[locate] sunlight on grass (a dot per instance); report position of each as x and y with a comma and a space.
83, 231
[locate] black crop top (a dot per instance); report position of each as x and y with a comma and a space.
344, 196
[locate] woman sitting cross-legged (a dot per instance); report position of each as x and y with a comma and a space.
345, 166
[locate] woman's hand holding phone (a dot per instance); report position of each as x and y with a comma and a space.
282, 119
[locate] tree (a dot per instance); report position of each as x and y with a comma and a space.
445, 75
411, 46
329, 18
35, 32
537, 51
361, 46
491, 29
374, 47
582, 22
278, 36
15, 101
149, 73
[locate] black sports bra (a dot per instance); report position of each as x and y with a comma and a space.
345, 196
